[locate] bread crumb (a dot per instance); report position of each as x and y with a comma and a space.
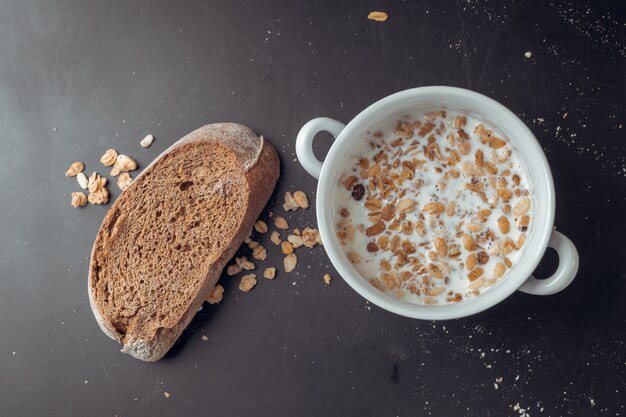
205, 338
74, 169
378, 16
269, 273
217, 294
327, 279
281, 223
247, 282
166, 394
290, 262
260, 226
528, 54
275, 238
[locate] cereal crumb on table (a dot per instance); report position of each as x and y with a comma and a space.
301, 199
74, 169
260, 226
78, 199
147, 141
109, 157
247, 282
327, 279
124, 181
217, 294
281, 223
378, 16
269, 273
275, 238
290, 262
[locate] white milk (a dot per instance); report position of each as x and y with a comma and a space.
455, 283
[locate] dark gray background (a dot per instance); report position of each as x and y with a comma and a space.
78, 77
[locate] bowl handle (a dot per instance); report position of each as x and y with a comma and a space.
565, 272
304, 142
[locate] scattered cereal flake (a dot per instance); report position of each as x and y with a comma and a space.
281, 223
269, 273
311, 237
217, 294
528, 54
275, 238
147, 141
295, 240
96, 182
245, 263
233, 269
78, 199
290, 202
259, 253
83, 182
109, 157
286, 248
260, 226
205, 338
99, 197
166, 394
125, 163
124, 181
301, 199
74, 169
378, 16
247, 282
327, 279
290, 262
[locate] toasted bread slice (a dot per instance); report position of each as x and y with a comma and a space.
162, 246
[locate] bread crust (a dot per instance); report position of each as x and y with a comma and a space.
261, 166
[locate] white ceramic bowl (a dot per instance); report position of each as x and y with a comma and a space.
539, 237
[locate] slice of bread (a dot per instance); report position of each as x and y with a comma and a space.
162, 246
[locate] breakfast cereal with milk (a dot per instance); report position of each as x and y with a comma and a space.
433, 208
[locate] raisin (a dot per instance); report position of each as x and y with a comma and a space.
483, 258
372, 247
358, 192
